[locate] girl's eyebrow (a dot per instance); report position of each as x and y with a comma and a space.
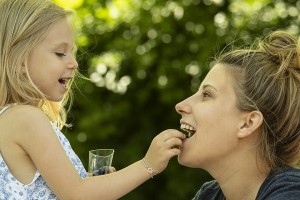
64, 44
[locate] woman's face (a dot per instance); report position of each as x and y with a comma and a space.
212, 115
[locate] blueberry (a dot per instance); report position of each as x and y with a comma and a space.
101, 171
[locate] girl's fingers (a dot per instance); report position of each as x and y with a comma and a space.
111, 169
163, 147
173, 142
175, 152
170, 133
171, 153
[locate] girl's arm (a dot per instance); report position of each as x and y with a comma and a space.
36, 136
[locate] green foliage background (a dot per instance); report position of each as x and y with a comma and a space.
143, 57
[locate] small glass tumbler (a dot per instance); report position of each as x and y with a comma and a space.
100, 161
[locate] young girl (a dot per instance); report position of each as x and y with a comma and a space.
244, 123
37, 67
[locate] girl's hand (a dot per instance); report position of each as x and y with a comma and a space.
163, 147
111, 170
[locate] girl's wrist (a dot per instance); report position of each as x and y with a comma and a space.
148, 168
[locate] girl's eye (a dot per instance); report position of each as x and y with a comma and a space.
59, 54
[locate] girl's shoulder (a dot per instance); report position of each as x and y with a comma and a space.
21, 108
21, 114
17, 120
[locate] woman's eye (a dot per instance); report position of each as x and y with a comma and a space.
59, 54
205, 94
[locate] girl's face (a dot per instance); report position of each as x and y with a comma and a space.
212, 115
51, 65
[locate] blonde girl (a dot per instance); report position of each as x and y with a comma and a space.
37, 68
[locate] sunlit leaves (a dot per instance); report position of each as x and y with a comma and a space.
105, 69
69, 4
250, 13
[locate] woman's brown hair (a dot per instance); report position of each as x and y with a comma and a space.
267, 78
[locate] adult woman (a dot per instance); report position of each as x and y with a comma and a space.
244, 123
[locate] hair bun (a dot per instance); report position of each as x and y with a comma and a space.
298, 53
282, 49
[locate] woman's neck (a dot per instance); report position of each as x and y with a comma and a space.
242, 185
240, 178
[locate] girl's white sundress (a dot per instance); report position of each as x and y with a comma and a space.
12, 189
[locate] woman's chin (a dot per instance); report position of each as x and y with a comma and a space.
182, 161
187, 161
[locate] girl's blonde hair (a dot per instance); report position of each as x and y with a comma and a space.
23, 24
267, 78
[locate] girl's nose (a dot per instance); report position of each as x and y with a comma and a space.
72, 64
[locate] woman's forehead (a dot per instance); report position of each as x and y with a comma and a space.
218, 78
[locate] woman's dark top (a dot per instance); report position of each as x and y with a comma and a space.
283, 184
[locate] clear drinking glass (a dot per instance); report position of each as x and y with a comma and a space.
99, 161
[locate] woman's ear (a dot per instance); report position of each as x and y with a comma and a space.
252, 121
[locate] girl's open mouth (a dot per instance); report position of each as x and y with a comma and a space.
64, 81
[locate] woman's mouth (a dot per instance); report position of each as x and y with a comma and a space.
188, 129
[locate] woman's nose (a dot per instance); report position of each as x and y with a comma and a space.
183, 107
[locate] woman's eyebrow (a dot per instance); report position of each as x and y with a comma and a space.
208, 86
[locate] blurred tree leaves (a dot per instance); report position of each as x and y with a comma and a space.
142, 58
